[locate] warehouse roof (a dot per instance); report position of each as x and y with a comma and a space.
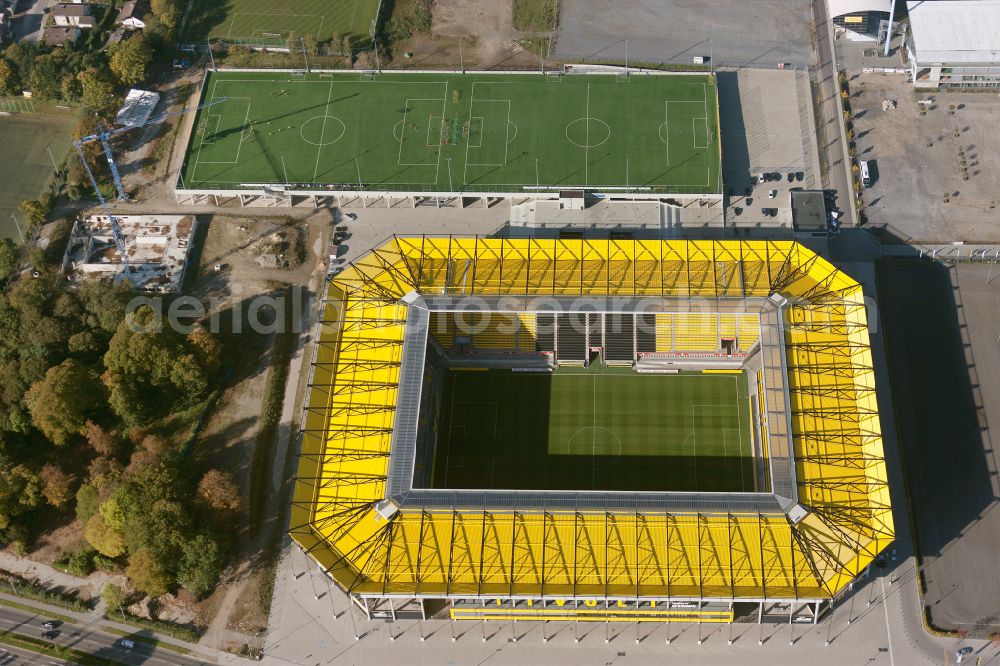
959, 31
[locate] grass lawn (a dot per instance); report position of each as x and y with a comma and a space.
26, 168
595, 429
535, 15
451, 132
261, 22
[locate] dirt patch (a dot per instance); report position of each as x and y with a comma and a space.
486, 30
473, 18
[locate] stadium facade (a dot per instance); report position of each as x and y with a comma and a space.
775, 309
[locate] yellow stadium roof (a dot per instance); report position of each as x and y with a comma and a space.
844, 518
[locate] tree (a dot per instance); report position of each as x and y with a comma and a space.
56, 486
147, 574
9, 79
105, 539
103, 441
150, 451
46, 75
167, 14
150, 371
88, 502
20, 491
10, 258
201, 563
61, 403
98, 93
113, 596
35, 209
219, 493
129, 59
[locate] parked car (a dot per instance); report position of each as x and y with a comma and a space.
126, 643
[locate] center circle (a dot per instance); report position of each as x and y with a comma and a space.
594, 441
588, 132
322, 130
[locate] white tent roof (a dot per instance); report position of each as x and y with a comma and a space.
957, 31
139, 105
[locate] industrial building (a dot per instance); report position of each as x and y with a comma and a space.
954, 44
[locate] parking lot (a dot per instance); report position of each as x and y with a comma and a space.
935, 164
734, 33
767, 127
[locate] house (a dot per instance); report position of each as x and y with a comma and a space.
133, 14
954, 44
58, 35
67, 14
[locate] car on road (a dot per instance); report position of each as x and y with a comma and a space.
127, 643
48, 624
351, 216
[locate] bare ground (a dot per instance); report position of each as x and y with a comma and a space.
484, 28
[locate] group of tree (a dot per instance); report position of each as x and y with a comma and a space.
83, 385
146, 510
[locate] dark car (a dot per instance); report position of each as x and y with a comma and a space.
800, 176
791, 177
737, 211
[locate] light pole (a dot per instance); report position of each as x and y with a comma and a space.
451, 187
21, 234
305, 55
357, 165
537, 182
52, 159
461, 56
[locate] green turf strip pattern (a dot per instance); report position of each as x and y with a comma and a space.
594, 430
450, 132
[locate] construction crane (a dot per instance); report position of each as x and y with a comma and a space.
104, 137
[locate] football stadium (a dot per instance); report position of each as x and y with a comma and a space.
592, 430
315, 134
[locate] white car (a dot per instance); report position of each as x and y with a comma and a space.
772, 193
126, 643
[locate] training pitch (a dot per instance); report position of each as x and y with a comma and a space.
453, 132
594, 429
261, 23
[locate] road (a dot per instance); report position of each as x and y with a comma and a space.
86, 637
838, 168
28, 24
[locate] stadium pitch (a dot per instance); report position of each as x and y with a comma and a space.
453, 132
594, 429
264, 23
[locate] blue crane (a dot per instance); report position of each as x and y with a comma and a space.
103, 136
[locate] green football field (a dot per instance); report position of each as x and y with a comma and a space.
453, 132
27, 139
261, 23
595, 429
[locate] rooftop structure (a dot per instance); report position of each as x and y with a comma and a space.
157, 248
133, 14
58, 35
138, 107
71, 14
808, 211
813, 514
954, 44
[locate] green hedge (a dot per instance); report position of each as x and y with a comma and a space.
28, 590
181, 632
